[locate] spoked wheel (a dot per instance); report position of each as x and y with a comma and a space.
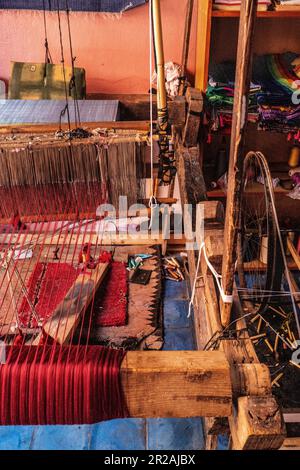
259, 283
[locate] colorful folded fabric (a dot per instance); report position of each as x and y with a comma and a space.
275, 80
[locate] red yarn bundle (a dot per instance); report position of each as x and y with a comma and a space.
61, 385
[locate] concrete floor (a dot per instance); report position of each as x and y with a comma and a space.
127, 434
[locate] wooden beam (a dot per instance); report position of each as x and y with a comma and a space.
67, 315
240, 110
169, 384
203, 43
258, 424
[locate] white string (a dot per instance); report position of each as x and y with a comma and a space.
152, 201
227, 299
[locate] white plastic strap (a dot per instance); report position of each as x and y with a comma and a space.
227, 299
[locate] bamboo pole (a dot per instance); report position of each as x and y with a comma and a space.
240, 110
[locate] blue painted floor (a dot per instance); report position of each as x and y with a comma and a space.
128, 434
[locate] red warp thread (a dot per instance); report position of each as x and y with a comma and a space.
61, 385
110, 305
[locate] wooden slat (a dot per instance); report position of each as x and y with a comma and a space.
69, 312
176, 384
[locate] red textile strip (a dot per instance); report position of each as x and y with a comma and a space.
48, 285
110, 304
61, 385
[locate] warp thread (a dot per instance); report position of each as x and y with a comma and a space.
52, 385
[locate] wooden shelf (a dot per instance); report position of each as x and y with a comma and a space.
254, 189
260, 14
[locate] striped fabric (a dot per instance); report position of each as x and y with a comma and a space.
113, 6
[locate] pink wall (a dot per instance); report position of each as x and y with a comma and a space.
114, 51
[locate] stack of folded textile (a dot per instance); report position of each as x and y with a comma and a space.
274, 100
287, 5
278, 102
263, 5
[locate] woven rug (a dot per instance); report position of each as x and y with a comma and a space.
110, 304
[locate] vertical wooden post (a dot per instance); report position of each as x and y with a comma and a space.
186, 43
239, 122
203, 43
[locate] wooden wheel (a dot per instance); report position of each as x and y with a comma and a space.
259, 283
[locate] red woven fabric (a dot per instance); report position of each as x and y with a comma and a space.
110, 305
47, 287
61, 385
52, 199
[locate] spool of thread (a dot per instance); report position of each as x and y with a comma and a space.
263, 255
294, 159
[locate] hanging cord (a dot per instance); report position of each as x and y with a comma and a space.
66, 108
48, 58
152, 201
72, 85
